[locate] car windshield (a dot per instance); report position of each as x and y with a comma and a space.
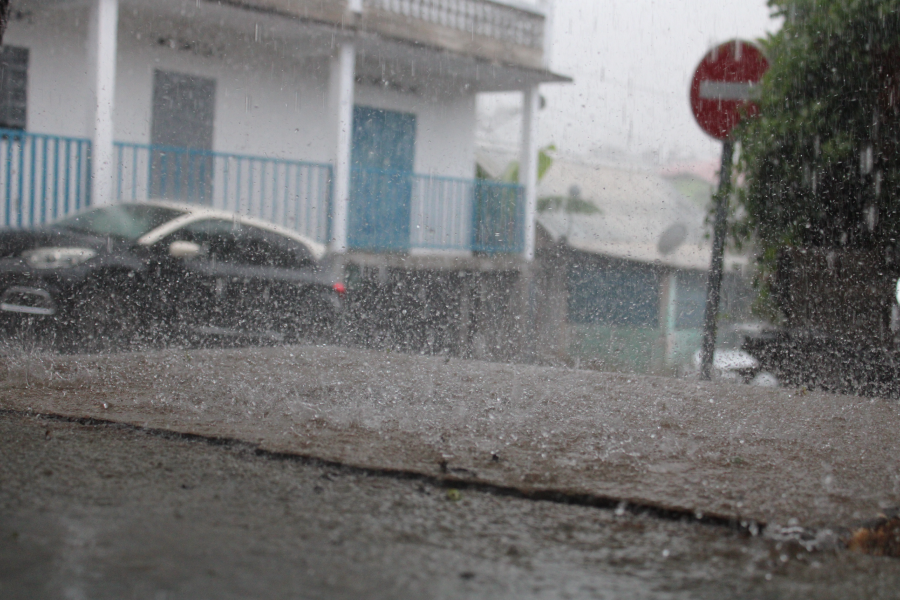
129, 221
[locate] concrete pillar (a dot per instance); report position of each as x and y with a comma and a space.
668, 298
552, 317
103, 30
528, 165
340, 94
549, 10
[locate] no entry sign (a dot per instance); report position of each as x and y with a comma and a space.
722, 92
724, 86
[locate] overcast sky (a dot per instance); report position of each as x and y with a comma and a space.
632, 61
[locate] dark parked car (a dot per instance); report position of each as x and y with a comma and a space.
160, 272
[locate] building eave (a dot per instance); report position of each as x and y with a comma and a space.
470, 55
417, 62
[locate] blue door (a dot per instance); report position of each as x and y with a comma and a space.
384, 145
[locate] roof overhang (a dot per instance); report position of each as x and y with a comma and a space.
687, 257
410, 65
303, 34
395, 61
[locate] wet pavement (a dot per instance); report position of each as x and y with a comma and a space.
776, 457
108, 511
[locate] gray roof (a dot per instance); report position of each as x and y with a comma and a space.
642, 216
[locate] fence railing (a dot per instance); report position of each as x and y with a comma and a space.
294, 194
399, 210
42, 177
475, 17
498, 218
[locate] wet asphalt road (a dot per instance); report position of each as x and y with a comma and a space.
111, 511
777, 457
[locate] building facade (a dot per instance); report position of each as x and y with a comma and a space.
351, 121
623, 263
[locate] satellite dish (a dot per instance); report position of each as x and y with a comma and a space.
671, 238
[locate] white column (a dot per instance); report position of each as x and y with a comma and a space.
340, 95
528, 165
102, 46
549, 13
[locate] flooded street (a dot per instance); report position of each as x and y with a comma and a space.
462, 479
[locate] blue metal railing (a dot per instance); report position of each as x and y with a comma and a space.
400, 210
498, 218
42, 177
293, 194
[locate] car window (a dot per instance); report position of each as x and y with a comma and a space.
217, 238
235, 243
261, 247
129, 221
201, 232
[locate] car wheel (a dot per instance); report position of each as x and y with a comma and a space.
764, 379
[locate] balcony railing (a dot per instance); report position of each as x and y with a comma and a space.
475, 17
464, 214
294, 194
42, 177
400, 211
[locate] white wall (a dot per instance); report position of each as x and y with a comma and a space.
267, 104
58, 82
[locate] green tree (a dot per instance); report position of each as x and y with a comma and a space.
822, 163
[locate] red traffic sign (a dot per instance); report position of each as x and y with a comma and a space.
724, 86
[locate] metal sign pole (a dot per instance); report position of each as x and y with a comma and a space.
714, 284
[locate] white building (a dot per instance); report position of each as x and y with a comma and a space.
350, 120
625, 267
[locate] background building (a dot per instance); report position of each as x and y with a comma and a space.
623, 257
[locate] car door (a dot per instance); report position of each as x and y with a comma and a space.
193, 286
284, 293
268, 274
246, 280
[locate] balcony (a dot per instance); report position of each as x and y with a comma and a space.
293, 194
44, 177
482, 28
397, 211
